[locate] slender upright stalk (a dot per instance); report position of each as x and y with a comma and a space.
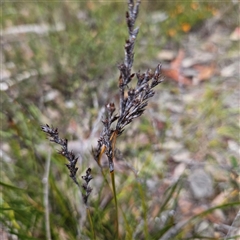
91, 223
115, 201
144, 209
45, 196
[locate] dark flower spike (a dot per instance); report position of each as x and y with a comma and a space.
134, 100
88, 176
72, 160
87, 189
69, 155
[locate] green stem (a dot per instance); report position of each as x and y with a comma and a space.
129, 231
115, 200
144, 208
91, 224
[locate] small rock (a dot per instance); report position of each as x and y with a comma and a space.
182, 156
166, 55
201, 184
235, 35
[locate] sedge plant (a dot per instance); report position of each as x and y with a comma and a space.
132, 104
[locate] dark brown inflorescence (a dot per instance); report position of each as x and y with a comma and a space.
72, 159
133, 101
87, 178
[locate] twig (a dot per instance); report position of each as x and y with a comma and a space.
235, 225
172, 232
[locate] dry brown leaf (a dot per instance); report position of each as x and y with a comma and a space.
175, 70
178, 60
185, 207
214, 217
205, 72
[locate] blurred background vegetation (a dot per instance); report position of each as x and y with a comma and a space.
59, 66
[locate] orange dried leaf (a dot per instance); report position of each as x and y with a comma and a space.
174, 72
178, 60
204, 72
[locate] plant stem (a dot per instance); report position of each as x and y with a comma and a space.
46, 195
91, 224
144, 209
115, 201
